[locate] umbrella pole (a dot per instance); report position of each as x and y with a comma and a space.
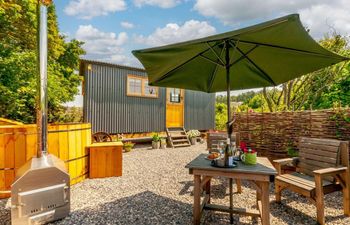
227, 59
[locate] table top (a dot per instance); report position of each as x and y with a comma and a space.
106, 144
263, 166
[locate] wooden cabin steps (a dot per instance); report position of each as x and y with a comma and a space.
181, 145
177, 137
179, 140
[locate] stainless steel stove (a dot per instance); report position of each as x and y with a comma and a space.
41, 191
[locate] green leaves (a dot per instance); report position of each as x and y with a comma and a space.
220, 116
18, 63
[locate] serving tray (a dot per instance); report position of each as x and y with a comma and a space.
214, 164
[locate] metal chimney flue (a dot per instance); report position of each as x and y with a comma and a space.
42, 82
41, 191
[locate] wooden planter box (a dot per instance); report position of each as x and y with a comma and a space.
106, 159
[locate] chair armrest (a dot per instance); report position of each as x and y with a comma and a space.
278, 163
283, 161
330, 171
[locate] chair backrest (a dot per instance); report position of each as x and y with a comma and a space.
101, 137
214, 139
315, 153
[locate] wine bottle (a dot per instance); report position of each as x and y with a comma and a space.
226, 154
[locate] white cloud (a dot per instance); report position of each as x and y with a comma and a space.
321, 18
102, 45
87, 9
318, 15
160, 3
172, 33
127, 25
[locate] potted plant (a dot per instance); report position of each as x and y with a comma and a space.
193, 134
128, 146
155, 141
291, 152
163, 143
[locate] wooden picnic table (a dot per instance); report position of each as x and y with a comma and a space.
259, 175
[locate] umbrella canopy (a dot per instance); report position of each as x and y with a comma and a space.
263, 55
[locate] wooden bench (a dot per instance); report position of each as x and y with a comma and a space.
322, 168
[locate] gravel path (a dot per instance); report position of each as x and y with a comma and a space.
156, 189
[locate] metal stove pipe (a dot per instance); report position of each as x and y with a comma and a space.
42, 79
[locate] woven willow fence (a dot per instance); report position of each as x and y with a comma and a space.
272, 133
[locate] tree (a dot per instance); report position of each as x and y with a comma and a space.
220, 116
18, 62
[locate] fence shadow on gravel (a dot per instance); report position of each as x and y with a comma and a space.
143, 208
299, 217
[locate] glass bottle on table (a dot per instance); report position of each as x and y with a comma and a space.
221, 148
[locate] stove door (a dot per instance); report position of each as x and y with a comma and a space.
41, 200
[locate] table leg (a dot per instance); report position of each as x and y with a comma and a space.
239, 185
265, 203
258, 194
231, 199
197, 200
207, 189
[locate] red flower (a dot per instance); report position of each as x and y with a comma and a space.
243, 146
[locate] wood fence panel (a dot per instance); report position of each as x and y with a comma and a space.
272, 133
18, 144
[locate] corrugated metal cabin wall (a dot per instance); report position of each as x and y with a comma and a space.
108, 108
199, 110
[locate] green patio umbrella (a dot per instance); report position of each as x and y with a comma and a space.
262, 55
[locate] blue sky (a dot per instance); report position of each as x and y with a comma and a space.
111, 29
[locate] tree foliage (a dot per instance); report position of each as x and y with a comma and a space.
220, 116
243, 97
18, 62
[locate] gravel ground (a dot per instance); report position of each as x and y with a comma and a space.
156, 189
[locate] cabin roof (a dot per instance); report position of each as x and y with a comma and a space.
96, 62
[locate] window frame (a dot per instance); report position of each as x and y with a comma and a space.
143, 81
171, 97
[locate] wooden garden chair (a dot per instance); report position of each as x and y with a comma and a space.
101, 137
213, 143
321, 168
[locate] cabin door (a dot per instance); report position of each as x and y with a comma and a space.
175, 107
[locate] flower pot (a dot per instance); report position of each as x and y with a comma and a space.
193, 140
163, 144
127, 149
155, 144
249, 158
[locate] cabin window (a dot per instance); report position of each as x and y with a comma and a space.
135, 86
149, 90
175, 95
138, 86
